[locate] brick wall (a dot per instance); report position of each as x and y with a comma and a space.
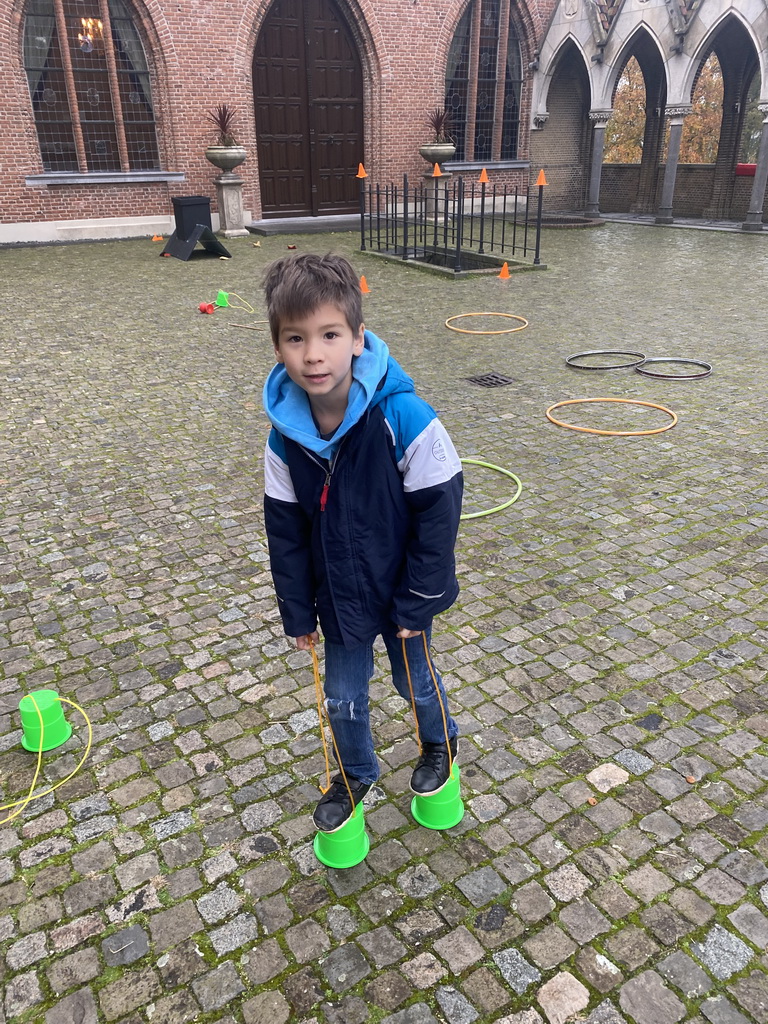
694, 184
196, 64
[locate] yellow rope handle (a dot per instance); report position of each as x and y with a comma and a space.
413, 698
29, 798
316, 670
439, 698
319, 699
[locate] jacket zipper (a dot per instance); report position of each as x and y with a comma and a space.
328, 473
324, 492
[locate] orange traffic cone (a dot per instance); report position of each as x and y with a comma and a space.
437, 173
541, 180
364, 286
483, 179
361, 172
504, 275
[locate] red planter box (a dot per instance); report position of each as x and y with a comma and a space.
745, 170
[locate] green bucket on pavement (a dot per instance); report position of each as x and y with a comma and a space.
49, 726
345, 847
443, 809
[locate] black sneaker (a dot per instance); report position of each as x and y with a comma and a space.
433, 768
334, 809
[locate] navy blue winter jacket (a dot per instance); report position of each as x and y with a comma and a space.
361, 528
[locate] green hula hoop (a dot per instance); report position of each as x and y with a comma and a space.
498, 469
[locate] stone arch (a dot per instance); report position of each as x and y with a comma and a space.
703, 41
731, 39
636, 189
561, 138
546, 74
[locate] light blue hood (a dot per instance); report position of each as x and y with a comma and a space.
287, 405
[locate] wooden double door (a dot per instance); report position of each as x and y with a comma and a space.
308, 99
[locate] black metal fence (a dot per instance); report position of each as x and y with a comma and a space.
450, 223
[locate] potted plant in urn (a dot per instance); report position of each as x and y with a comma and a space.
226, 153
441, 147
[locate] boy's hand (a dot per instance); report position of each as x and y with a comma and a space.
304, 643
407, 634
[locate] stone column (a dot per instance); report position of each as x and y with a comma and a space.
676, 117
229, 194
599, 119
754, 221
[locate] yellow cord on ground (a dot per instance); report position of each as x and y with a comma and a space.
498, 469
21, 804
508, 330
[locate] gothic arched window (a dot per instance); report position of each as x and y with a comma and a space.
89, 82
483, 83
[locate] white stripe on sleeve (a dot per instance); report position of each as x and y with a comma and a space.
277, 478
430, 459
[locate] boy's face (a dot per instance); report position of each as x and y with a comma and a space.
317, 351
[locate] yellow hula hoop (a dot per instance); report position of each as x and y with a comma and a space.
498, 469
613, 433
508, 330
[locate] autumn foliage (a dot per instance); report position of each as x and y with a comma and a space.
701, 128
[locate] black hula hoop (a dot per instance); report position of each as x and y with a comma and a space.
608, 366
675, 376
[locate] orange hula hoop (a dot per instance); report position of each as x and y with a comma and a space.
507, 330
612, 433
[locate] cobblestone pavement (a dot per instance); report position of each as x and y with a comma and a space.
606, 659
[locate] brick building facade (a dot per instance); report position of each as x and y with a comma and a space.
107, 101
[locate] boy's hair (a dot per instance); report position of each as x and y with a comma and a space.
295, 286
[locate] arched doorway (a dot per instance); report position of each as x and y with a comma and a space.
308, 99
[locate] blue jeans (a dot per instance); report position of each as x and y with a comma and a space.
347, 674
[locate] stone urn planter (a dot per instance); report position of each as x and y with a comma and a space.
441, 147
226, 153
226, 158
437, 152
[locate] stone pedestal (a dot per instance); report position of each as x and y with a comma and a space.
435, 196
229, 194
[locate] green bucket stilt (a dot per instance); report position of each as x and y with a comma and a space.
443, 809
345, 847
55, 730
222, 299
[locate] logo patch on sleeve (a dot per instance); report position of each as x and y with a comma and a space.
438, 452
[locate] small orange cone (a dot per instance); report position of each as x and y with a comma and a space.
437, 173
361, 172
504, 274
541, 180
483, 179
364, 286
157, 238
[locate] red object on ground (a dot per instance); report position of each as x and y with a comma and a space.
745, 170
206, 307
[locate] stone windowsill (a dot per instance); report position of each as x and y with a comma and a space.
492, 165
103, 177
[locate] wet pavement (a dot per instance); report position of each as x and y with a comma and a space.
606, 659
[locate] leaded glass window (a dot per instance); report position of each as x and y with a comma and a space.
91, 94
483, 82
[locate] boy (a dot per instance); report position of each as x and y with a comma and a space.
362, 501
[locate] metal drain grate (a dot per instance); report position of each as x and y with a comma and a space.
490, 380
